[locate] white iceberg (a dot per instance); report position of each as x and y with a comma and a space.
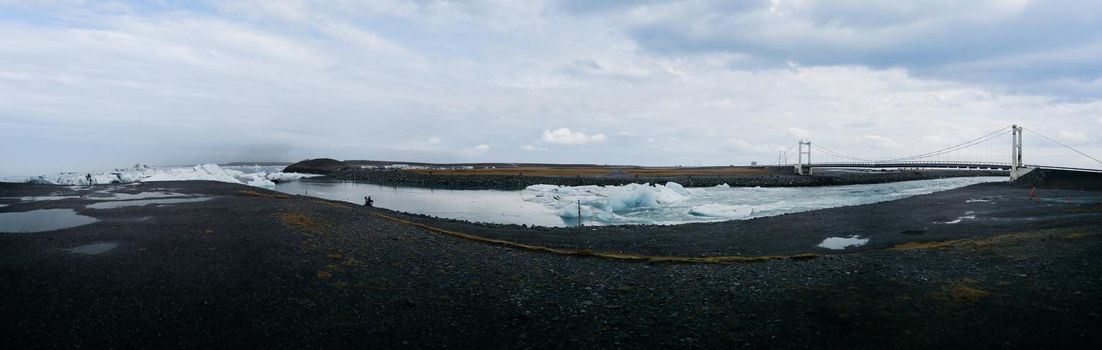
674, 204
723, 211
145, 173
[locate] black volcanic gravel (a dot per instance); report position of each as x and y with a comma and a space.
262, 272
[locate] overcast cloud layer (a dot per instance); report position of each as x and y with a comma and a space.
94, 85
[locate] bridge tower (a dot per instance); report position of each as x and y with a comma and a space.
800, 168
1017, 168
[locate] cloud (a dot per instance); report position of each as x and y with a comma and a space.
990, 41
564, 136
743, 146
473, 151
799, 133
880, 141
667, 82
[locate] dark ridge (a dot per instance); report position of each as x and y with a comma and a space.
316, 166
481, 165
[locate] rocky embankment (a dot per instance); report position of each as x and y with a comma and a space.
394, 177
1062, 179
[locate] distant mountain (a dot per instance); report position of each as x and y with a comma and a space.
316, 166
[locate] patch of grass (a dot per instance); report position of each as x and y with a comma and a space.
252, 193
303, 222
965, 291
1074, 235
1001, 239
332, 204
974, 243
925, 245
324, 275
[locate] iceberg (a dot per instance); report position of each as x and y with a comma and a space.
723, 211
673, 203
145, 173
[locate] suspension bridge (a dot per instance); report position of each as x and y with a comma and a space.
988, 152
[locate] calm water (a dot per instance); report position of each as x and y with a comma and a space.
473, 205
42, 220
546, 205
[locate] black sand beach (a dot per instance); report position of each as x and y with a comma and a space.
254, 268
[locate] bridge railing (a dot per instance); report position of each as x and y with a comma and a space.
911, 164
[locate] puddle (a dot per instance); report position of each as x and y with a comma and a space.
839, 243
94, 249
45, 198
144, 202
133, 196
3, 205
976, 200
42, 220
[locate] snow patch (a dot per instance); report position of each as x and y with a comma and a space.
839, 243
968, 215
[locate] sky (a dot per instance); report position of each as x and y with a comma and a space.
87, 85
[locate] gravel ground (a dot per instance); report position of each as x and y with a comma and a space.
253, 268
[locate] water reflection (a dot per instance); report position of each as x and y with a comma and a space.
143, 202
94, 248
42, 220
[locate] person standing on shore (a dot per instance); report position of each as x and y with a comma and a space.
368, 202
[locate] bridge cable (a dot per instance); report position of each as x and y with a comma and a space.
1061, 144
966, 144
841, 155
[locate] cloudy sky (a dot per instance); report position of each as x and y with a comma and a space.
90, 85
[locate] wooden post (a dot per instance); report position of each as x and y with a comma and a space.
579, 213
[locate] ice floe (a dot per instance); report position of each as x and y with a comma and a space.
723, 211
674, 204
